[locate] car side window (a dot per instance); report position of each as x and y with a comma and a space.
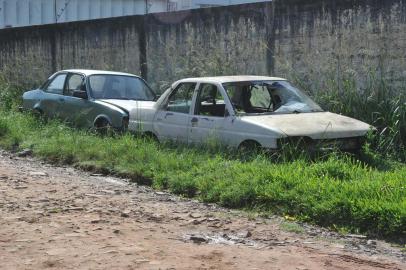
260, 96
73, 83
210, 101
181, 98
56, 85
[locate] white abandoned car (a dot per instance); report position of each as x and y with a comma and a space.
245, 111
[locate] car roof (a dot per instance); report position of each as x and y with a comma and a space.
227, 79
88, 72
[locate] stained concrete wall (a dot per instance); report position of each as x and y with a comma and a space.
313, 41
213, 41
29, 55
326, 39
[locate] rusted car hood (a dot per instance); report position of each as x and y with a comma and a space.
128, 105
320, 125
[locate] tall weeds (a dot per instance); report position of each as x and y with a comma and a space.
376, 101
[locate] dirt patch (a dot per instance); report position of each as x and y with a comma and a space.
61, 218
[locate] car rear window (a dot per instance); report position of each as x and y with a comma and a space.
105, 86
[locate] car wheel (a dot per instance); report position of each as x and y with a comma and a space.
249, 146
150, 136
103, 127
39, 114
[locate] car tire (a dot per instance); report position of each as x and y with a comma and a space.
150, 136
39, 114
249, 146
103, 127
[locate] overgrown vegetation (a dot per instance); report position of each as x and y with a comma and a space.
377, 102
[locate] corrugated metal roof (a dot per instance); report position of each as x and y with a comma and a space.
16, 13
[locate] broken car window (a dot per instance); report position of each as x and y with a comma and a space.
210, 102
74, 83
269, 97
119, 87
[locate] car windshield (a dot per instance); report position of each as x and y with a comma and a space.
106, 86
269, 97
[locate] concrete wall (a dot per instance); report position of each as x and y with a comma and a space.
29, 55
340, 39
311, 41
206, 42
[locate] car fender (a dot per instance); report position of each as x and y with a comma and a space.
32, 100
114, 116
37, 106
245, 131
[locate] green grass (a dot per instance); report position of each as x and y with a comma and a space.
337, 191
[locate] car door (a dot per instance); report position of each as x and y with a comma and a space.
53, 96
74, 109
171, 120
210, 118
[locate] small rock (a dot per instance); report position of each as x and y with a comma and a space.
195, 215
95, 221
339, 246
116, 231
356, 236
371, 243
74, 209
108, 191
38, 174
198, 239
111, 252
125, 214
245, 234
142, 261
25, 153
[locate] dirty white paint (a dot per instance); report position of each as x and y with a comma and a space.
234, 128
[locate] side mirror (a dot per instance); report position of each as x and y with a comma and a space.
79, 94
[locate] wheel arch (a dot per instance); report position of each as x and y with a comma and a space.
247, 142
100, 118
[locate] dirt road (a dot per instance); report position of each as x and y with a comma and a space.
61, 218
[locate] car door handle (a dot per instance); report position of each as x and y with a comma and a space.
61, 99
194, 120
168, 114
